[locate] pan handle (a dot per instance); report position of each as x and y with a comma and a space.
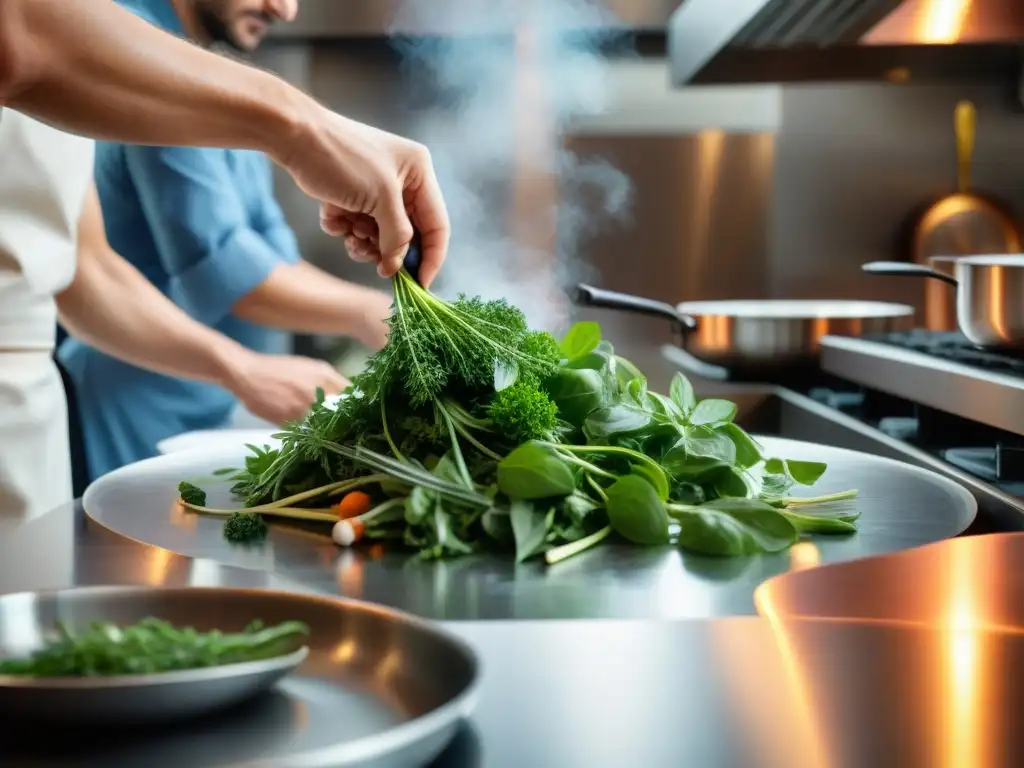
589, 296
904, 269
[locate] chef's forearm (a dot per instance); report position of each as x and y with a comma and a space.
112, 307
91, 67
304, 299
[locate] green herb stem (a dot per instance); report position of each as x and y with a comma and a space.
592, 469
613, 449
291, 513
805, 501
597, 488
564, 552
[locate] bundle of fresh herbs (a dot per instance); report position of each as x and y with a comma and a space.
471, 432
152, 646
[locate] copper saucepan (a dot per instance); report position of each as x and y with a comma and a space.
989, 295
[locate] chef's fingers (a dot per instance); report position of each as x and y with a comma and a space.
430, 217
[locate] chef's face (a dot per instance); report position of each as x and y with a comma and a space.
243, 24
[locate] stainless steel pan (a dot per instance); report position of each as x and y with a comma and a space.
741, 333
989, 295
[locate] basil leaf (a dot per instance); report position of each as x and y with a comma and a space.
577, 393
713, 411
748, 452
775, 485
581, 339
802, 472
730, 484
626, 371
533, 471
619, 419
733, 527
663, 406
505, 375
681, 392
684, 465
818, 523
636, 513
637, 389
655, 477
530, 528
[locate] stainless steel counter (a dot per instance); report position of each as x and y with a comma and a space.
733, 692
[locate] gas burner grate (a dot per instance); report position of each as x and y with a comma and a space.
953, 347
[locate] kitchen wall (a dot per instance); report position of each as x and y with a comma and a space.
739, 192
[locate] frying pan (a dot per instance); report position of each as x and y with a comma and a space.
989, 295
756, 334
964, 223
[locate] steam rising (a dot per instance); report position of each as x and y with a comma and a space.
510, 76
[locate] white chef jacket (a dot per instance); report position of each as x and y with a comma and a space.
44, 176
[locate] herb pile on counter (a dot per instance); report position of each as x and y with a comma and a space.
152, 646
470, 432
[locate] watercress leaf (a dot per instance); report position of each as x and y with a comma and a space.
577, 393
636, 513
418, 504
655, 477
728, 483
681, 392
497, 524
595, 361
533, 471
505, 375
619, 419
733, 527
713, 411
748, 452
530, 528
818, 523
802, 472
580, 340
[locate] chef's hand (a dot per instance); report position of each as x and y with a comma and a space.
281, 388
374, 188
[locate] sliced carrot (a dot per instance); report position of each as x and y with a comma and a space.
352, 505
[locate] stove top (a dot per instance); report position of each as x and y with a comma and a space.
937, 370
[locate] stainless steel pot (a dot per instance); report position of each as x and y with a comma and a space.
759, 332
989, 296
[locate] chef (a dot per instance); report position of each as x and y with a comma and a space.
95, 68
204, 227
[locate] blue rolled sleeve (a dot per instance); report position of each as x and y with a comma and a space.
271, 222
205, 242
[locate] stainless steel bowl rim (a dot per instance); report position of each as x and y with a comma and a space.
796, 309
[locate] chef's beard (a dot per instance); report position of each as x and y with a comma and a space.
218, 30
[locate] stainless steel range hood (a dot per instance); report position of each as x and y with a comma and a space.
730, 41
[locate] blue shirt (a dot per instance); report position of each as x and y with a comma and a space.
203, 226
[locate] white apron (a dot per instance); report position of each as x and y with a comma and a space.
44, 175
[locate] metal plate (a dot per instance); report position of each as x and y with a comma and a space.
132, 700
378, 687
901, 507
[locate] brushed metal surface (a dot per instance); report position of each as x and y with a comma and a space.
983, 396
901, 507
376, 685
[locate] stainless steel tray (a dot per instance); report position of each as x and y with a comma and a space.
377, 688
901, 507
